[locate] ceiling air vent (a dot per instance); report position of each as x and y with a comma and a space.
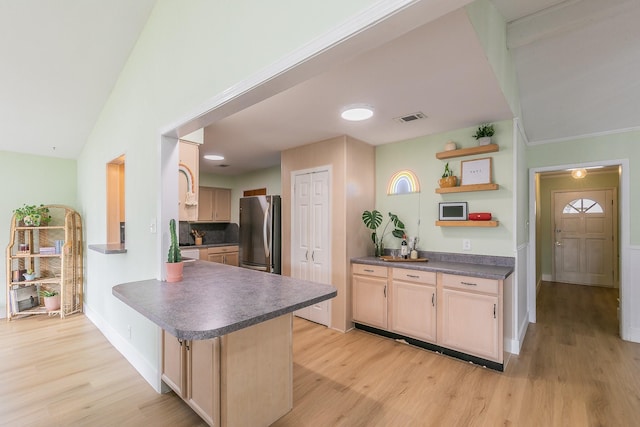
223, 166
411, 117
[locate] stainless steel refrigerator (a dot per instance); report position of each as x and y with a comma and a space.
260, 233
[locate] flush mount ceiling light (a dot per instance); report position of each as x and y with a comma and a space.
356, 113
579, 173
214, 157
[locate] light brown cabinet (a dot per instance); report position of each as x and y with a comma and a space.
413, 303
226, 384
192, 370
369, 287
214, 204
221, 254
450, 312
188, 173
471, 319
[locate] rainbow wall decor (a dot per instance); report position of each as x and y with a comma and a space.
403, 182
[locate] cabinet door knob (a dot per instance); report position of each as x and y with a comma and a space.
494, 311
413, 276
468, 283
433, 300
368, 271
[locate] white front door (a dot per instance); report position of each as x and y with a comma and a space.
583, 237
311, 237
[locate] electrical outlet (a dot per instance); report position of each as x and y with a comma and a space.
466, 244
152, 226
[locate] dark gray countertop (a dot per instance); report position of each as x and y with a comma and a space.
207, 245
461, 268
216, 299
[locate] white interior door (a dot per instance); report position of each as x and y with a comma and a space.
311, 237
583, 237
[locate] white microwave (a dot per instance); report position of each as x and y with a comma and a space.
453, 211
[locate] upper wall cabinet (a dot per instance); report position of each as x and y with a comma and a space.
214, 204
188, 181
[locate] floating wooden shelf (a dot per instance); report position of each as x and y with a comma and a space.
467, 223
480, 149
466, 188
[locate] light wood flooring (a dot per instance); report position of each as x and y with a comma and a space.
573, 370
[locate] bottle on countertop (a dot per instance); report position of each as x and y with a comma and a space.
404, 248
413, 243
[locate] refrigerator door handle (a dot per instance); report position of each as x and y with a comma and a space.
267, 244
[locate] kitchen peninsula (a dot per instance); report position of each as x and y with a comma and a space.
227, 338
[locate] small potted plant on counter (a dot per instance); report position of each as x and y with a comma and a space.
484, 134
174, 260
448, 178
373, 220
51, 299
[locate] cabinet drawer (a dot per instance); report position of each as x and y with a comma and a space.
468, 283
414, 275
222, 249
370, 270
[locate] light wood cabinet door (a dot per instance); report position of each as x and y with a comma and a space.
188, 180
214, 204
370, 300
413, 309
232, 258
205, 204
471, 323
203, 373
228, 255
173, 363
221, 204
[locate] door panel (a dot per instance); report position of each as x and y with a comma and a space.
584, 241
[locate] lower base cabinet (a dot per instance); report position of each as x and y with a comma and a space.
413, 304
221, 254
192, 370
446, 311
244, 378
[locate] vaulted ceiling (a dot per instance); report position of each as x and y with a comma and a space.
577, 63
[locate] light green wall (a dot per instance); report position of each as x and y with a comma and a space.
159, 85
32, 180
549, 184
613, 147
268, 178
419, 211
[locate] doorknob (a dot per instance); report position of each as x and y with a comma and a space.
558, 244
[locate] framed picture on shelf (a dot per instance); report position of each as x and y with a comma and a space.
476, 171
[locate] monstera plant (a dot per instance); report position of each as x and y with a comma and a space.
373, 220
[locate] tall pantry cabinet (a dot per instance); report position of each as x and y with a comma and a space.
351, 166
310, 236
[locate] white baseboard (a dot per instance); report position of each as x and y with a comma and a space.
144, 368
632, 334
547, 278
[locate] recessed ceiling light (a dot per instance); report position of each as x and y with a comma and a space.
214, 157
356, 113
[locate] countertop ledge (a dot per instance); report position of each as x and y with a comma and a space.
485, 271
207, 245
216, 299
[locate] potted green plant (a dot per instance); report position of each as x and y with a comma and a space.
32, 215
448, 178
484, 134
373, 220
29, 275
51, 299
174, 259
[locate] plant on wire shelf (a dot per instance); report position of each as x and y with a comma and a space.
373, 220
174, 249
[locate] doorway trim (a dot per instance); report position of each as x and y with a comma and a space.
624, 237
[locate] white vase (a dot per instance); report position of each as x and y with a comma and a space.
485, 140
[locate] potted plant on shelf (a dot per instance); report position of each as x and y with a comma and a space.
174, 260
373, 220
32, 215
484, 134
448, 178
29, 275
51, 299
